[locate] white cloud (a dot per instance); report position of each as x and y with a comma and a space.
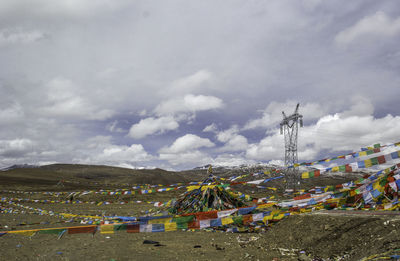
188, 158
226, 135
19, 36
151, 126
64, 100
232, 140
15, 148
190, 83
188, 104
211, 128
101, 150
202, 102
270, 147
184, 150
133, 153
171, 112
236, 143
272, 115
186, 143
361, 106
231, 160
378, 24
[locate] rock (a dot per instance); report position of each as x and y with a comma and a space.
219, 247
150, 242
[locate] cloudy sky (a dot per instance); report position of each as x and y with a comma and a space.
180, 84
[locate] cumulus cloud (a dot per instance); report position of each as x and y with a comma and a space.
115, 153
188, 104
232, 140
377, 25
15, 148
171, 112
152, 125
211, 128
185, 150
187, 142
360, 106
188, 158
190, 83
232, 160
270, 147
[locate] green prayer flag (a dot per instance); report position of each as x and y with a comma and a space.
238, 220
51, 231
374, 161
120, 227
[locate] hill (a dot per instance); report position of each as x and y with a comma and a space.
74, 176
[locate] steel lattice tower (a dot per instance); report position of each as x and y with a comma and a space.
289, 127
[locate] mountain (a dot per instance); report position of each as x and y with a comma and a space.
20, 166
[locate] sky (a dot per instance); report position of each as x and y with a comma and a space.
178, 84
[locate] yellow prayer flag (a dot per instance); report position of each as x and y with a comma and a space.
280, 216
23, 232
226, 220
190, 188
107, 229
170, 226
266, 218
368, 163
362, 153
266, 205
335, 169
160, 220
305, 175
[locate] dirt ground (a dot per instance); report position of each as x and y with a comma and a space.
312, 236
303, 237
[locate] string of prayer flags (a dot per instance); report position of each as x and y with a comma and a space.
354, 166
376, 148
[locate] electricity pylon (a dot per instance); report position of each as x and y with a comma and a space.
289, 127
